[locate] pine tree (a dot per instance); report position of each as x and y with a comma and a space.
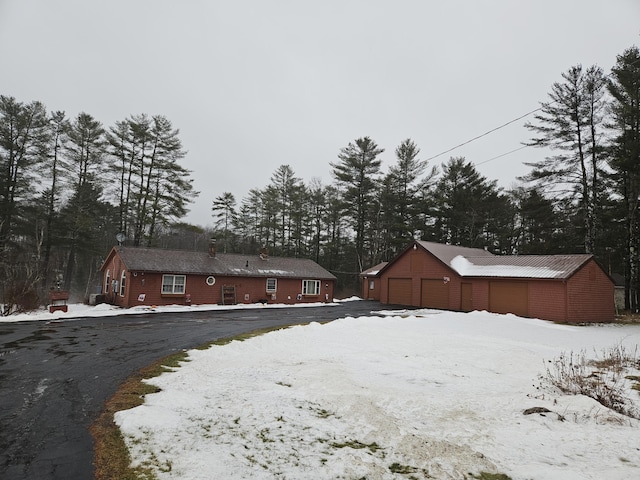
572, 124
624, 87
358, 174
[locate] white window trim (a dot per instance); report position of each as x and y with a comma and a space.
275, 285
107, 281
306, 290
173, 291
123, 282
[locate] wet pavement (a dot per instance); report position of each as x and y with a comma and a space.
56, 376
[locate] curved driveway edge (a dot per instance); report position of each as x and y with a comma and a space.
56, 376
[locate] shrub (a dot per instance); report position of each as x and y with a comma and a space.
602, 379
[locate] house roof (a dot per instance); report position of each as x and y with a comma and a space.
223, 264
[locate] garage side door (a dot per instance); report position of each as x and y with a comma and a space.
435, 294
509, 297
400, 291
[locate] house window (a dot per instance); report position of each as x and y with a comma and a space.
173, 283
123, 279
107, 281
272, 285
372, 284
311, 287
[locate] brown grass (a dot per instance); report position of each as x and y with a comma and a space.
111, 456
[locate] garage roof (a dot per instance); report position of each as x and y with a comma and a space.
477, 262
519, 266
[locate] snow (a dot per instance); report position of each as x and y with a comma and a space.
429, 393
464, 267
79, 310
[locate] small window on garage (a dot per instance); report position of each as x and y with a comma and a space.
372, 284
272, 285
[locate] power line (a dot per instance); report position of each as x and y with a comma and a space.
605, 75
486, 133
502, 155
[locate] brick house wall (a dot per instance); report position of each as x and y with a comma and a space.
145, 288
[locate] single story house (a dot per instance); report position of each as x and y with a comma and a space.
562, 288
371, 282
151, 276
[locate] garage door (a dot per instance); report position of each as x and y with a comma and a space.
435, 294
400, 291
509, 297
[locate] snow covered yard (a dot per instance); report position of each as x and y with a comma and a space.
410, 395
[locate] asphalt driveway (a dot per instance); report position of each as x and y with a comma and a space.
56, 376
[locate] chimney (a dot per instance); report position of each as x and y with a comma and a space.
264, 253
212, 248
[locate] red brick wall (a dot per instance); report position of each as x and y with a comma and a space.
150, 284
590, 295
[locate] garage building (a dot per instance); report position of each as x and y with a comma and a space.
562, 288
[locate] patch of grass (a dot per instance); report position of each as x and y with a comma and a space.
490, 476
111, 456
402, 469
357, 445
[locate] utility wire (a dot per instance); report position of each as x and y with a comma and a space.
606, 75
485, 134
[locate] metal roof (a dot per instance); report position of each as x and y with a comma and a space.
446, 253
224, 264
373, 271
520, 266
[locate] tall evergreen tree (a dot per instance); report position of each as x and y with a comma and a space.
24, 139
624, 86
85, 152
463, 202
224, 213
358, 175
401, 198
572, 124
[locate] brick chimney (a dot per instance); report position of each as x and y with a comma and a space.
212, 247
264, 253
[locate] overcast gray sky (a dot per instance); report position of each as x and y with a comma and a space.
253, 84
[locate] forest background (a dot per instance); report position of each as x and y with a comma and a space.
69, 186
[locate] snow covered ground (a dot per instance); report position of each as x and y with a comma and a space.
423, 394
79, 310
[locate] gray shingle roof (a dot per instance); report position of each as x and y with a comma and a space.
223, 264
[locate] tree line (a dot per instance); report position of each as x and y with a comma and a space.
68, 185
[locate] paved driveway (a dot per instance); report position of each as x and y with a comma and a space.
55, 377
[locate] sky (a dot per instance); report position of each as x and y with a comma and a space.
432, 394
253, 85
